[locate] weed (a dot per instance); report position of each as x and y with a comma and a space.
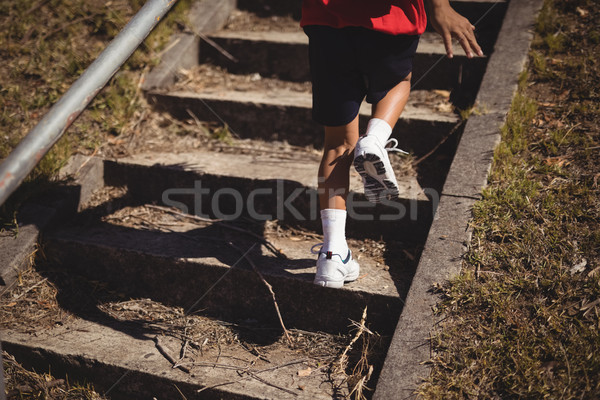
477, 109
223, 134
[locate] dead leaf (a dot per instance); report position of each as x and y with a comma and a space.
579, 267
558, 161
564, 94
12, 304
589, 305
444, 107
443, 93
305, 372
582, 12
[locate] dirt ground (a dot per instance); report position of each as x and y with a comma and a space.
241, 20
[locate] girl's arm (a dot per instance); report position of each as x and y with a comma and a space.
450, 24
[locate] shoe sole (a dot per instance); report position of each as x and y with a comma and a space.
350, 276
336, 284
377, 183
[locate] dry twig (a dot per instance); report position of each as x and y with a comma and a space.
30, 289
162, 350
248, 376
361, 328
181, 214
362, 371
437, 146
215, 45
258, 378
270, 288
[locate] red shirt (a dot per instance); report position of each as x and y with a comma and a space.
406, 17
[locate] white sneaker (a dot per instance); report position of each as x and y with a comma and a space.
371, 161
333, 270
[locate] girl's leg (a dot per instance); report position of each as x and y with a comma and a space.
335, 264
371, 159
334, 182
334, 171
391, 106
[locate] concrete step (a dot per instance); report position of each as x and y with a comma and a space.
142, 252
285, 55
285, 115
123, 359
268, 187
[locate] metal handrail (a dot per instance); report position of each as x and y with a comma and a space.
49, 130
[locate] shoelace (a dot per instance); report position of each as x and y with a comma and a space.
320, 246
312, 249
394, 147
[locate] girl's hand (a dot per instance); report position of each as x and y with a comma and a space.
450, 24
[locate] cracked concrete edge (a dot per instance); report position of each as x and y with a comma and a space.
406, 364
115, 380
183, 50
17, 249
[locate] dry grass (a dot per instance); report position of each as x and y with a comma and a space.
39, 62
357, 362
523, 318
30, 306
24, 384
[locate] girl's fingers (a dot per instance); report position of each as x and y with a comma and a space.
448, 45
464, 42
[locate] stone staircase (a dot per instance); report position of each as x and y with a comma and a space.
186, 229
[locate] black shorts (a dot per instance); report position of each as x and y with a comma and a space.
348, 63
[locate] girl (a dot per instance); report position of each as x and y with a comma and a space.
361, 48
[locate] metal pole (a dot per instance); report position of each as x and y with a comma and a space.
46, 133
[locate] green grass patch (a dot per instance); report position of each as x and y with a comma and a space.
523, 317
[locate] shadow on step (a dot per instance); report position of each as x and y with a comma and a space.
94, 261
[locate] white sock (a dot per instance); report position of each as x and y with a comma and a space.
334, 231
380, 129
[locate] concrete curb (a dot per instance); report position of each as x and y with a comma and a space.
404, 367
184, 49
16, 255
